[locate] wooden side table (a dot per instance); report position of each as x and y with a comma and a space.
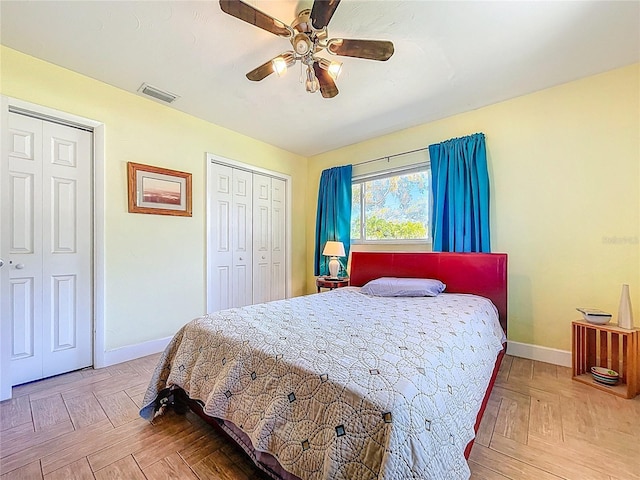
607, 346
323, 282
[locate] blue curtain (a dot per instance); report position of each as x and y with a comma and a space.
333, 218
460, 185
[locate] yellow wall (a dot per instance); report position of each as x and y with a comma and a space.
564, 166
155, 265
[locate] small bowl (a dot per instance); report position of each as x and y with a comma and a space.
595, 316
597, 319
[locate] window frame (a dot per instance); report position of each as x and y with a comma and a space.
388, 173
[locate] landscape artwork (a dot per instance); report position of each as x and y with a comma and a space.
155, 190
158, 191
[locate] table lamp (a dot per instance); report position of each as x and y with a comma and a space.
334, 250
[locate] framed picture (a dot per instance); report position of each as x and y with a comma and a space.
158, 191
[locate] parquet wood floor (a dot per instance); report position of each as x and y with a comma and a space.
539, 425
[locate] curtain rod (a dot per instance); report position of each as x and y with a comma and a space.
389, 157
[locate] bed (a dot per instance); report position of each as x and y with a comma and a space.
343, 385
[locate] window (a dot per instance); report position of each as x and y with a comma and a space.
392, 207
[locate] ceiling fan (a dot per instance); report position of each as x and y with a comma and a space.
308, 36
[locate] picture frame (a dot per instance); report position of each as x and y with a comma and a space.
158, 191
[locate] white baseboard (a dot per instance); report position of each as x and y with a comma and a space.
131, 352
517, 349
542, 354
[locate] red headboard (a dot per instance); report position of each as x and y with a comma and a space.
483, 274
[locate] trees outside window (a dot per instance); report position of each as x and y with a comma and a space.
392, 207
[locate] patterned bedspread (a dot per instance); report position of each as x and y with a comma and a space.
341, 385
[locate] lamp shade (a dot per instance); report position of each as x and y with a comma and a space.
334, 249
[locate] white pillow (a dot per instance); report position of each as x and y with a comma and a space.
403, 287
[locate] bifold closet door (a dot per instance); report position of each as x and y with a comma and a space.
47, 247
261, 238
248, 238
269, 238
232, 197
278, 281
242, 237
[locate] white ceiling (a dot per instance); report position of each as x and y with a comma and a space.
450, 57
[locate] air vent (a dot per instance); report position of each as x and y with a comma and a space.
157, 93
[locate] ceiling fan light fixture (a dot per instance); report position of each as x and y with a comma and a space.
282, 62
334, 68
279, 66
308, 36
312, 85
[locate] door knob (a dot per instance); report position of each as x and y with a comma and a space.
19, 266
1, 262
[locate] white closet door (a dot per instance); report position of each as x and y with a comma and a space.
261, 238
66, 238
278, 239
242, 238
247, 237
46, 175
22, 246
221, 287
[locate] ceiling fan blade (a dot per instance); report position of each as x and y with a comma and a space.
322, 11
328, 87
369, 49
261, 72
249, 14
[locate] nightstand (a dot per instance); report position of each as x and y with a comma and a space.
325, 282
607, 346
